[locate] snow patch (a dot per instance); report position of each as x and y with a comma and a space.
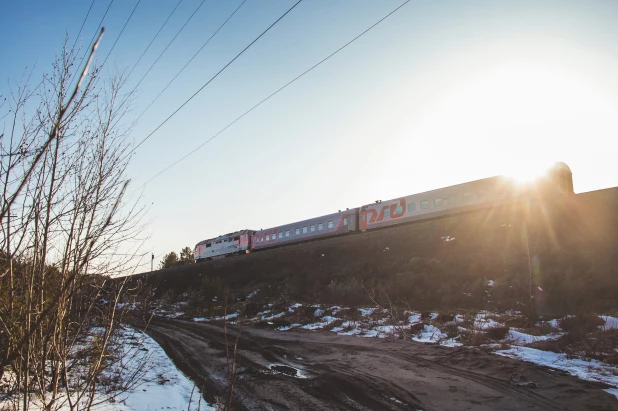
366, 311
414, 319
293, 307
610, 322
589, 370
522, 338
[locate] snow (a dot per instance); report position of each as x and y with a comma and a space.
223, 317
323, 322
294, 307
273, 316
414, 318
366, 311
287, 327
522, 338
335, 309
429, 334
613, 391
318, 313
163, 386
610, 322
484, 323
368, 333
590, 370
159, 384
490, 283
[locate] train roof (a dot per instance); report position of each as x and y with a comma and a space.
310, 220
223, 236
556, 167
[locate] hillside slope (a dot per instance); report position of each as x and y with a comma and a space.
444, 263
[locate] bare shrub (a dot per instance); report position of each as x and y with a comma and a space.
497, 333
65, 228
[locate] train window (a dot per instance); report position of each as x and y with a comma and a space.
297, 231
304, 229
387, 212
312, 228
437, 202
330, 224
236, 238
268, 237
280, 235
398, 209
411, 207
320, 226
425, 204
345, 221
452, 199
208, 245
287, 233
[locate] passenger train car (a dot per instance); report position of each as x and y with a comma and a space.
488, 192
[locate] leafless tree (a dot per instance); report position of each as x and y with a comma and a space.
66, 228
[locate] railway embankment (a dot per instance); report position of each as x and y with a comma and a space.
559, 256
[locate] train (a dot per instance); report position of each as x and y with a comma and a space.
470, 196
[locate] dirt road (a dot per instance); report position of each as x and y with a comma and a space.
322, 371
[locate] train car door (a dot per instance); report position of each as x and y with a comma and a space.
363, 220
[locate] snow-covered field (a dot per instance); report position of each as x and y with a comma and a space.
161, 387
158, 385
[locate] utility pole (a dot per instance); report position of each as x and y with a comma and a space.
151, 262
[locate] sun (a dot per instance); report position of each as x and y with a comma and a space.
528, 172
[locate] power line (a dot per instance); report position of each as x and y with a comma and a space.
189, 62
121, 31
83, 23
154, 38
276, 92
96, 33
216, 75
168, 45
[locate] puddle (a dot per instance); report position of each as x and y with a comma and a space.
287, 370
284, 369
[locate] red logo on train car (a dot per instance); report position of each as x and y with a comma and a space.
372, 215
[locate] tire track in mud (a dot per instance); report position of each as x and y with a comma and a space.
354, 373
332, 389
490, 382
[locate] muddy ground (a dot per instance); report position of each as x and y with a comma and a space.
341, 373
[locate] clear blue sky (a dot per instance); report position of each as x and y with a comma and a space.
438, 94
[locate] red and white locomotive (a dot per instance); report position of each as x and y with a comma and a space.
485, 193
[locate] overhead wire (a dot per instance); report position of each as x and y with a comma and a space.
96, 33
83, 23
274, 93
121, 31
190, 60
168, 45
216, 75
154, 38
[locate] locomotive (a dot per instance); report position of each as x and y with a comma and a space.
474, 195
